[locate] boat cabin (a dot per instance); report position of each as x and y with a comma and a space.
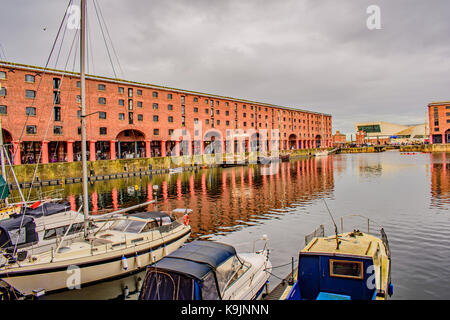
142, 221
350, 271
200, 270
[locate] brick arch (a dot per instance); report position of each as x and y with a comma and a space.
7, 136
128, 135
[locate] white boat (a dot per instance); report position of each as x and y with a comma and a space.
321, 153
205, 270
128, 244
176, 170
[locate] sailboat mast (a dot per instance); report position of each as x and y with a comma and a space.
83, 114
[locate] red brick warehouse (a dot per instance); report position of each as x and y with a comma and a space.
439, 119
40, 110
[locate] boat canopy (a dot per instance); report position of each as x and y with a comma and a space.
47, 209
15, 231
201, 268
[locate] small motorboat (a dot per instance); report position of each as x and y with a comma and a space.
205, 270
321, 154
345, 266
175, 170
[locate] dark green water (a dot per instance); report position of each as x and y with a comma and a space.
409, 195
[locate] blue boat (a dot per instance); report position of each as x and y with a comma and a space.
205, 270
345, 266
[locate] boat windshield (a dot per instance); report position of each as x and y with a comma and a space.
226, 271
129, 226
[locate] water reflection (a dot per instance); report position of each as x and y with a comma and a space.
222, 199
440, 180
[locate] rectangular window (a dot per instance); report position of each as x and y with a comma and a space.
130, 104
169, 96
130, 117
195, 99
79, 114
155, 118
78, 84
102, 100
102, 115
121, 116
57, 130
139, 92
56, 97
206, 111
3, 110
29, 78
155, 94
155, 106
227, 113
140, 117
346, 269
156, 132
56, 83
217, 112
2, 75
57, 113
79, 130
101, 87
169, 107
103, 131
182, 99
3, 92
218, 122
31, 130
139, 104
183, 121
121, 90
195, 120
170, 119
130, 93
30, 111
30, 94
206, 121
228, 122
196, 110
121, 102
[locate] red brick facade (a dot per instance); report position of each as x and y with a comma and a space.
339, 138
136, 119
439, 120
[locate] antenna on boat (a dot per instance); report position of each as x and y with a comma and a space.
335, 226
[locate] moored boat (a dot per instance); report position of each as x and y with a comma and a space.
205, 270
124, 245
346, 266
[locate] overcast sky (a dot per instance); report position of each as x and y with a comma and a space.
312, 54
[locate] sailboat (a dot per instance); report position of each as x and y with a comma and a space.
111, 245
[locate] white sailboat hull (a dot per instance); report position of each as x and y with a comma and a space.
73, 273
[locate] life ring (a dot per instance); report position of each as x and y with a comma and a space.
186, 220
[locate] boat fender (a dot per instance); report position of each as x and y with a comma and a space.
124, 263
186, 219
390, 289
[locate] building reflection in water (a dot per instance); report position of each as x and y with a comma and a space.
222, 199
440, 179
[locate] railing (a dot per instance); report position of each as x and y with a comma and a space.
371, 226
